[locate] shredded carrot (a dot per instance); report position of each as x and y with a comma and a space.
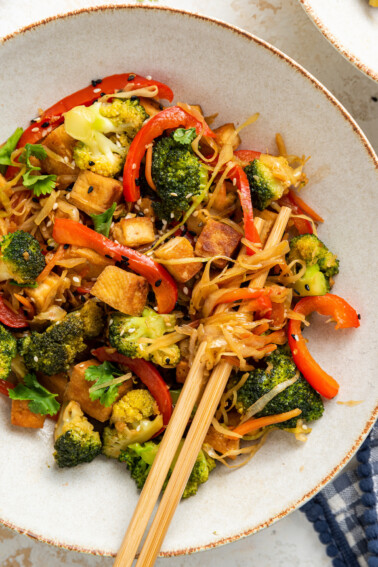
305, 208
148, 173
51, 264
241, 293
261, 329
26, 303
253, 424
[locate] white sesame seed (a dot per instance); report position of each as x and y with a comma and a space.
49, 223
131, 330
139, 201
65, 159
185, 290
137, 207
76, 279
96, 90
156, 308
122, 333
111, 322
37, 119
234, 181
133, 166
68, 196
55, 206
304, 426
195, 214
145, 211
35, 129
189, 195
36, 359
172, 216
148, 77
173, 194
112, 225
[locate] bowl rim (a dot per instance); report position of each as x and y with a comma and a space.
337, 44
372, 155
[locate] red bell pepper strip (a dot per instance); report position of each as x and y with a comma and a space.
242, 183
67, 231
53, 116
147, 373
172, 117
246, 156
5, 387
10, 318
303, 226
241, 293
345, 317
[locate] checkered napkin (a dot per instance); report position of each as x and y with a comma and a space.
345, 513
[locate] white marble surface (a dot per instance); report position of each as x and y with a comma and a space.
283, 23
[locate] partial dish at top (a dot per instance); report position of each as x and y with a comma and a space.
351, 27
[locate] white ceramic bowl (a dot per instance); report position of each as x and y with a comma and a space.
351, 26
233, 73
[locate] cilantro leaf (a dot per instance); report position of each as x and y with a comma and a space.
103, 374
41, 184
103, 221
40, 400
184, 137
35, 150
7, 149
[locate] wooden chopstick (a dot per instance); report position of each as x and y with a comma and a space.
197, 432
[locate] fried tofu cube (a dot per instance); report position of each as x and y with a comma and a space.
78, 390
95, 262
124, 291
56, 384
217, 239
59, 142
134, 232
46, 290
94, 194
146, 207
179, 247
22, 416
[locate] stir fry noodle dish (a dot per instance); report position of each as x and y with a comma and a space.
134, 232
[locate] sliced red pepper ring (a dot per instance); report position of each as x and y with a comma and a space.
147, 373
53, 116
172, 117
345, 317
67, 231
10, 318
237, 173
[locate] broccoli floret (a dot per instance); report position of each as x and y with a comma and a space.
300, 395
21, 258
178, 174
105, 131
321, 264
55, 349
135, 419
8, 350
125, 332
75, 440
264, 186
139, 459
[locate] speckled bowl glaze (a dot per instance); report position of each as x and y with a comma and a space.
231, 72
351, 26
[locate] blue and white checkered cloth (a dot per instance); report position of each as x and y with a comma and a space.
345, 512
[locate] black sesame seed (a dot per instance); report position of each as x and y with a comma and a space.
82, 297
140, 213
69, 188
45, 124
90, 189
49, 247
33, 120
35, 200
102, 94
297, 292
161, 106
96, 82
108, 256
157, 283
125, 258
374, 98
131, 77
167, 360
184, 230
359, 316
91, 163
294, 337
307, 287
137, 181
66, 246
133, 98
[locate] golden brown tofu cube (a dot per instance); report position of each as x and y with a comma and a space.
94, 194
124, 291
227, 134
146, 207
59, 142
42, 295
217, 238
23, 417
95, 263
56, 384
134, 232
179, 247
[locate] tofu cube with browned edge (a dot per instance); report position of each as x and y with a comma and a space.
59, 142
43, 295
217, 239
176, 248
22, 416
94, 194
56, 384
78, 390
134, 232
95, 262
124, 291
